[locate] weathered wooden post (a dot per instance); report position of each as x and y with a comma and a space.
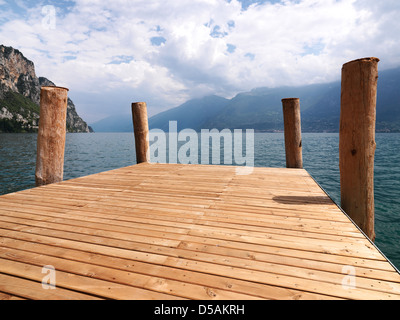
357, 141
292, 129
141, 131
51, 135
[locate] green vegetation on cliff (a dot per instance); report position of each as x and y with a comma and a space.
23, 114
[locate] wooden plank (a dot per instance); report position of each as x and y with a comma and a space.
156, 219
184, 246
137, 221
205, 268
276, 269
72, 281
282, 256
286, 215
140, 246
115, 276
147, 234
171, 239
224, 283
20, 288
192, 231
7, 296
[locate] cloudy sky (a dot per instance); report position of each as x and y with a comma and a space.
164, 52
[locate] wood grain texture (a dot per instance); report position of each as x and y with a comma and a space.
51, 135
357, 141
292, 131
173, 231
141, 131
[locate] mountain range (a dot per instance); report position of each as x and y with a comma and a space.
261, 109
20, 95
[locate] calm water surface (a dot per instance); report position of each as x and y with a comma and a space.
92, 153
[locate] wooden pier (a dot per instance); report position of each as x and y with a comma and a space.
172, 231
185, 231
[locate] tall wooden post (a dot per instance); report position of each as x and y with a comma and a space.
141, 131
51, 135
292, 127
357, 141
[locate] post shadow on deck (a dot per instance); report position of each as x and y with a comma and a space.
356, 140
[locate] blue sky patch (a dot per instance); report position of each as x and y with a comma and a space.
247, 3
250, 55
20, 7
218, 33
157, 41
313, 49
230, 48
121, 59
68, 58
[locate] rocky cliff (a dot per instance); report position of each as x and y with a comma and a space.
20, 95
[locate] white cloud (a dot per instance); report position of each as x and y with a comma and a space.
202, 46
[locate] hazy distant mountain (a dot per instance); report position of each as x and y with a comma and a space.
193, 114
115, 123
324, 115
261, 109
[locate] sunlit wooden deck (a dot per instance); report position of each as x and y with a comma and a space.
170, 231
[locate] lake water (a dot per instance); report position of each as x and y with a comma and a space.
92, 153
